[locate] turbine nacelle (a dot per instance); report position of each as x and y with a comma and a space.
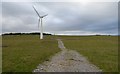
43, 16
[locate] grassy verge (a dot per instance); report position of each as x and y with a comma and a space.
24, 53
100, 50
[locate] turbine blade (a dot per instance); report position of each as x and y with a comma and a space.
36, 11
44, 15
38, 23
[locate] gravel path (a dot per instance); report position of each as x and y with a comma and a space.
67, 61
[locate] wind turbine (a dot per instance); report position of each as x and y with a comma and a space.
40, 21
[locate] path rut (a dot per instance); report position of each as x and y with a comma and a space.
67, 61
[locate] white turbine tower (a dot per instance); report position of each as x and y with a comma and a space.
40, 21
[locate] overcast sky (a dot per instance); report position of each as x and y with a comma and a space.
78, 18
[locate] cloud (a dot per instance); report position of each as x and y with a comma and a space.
90, 18
60, 0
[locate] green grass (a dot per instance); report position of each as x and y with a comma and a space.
0, 54
100, 50
25, 53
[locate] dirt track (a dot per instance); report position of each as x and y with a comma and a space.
67, 61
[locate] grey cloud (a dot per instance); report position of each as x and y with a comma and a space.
99, 17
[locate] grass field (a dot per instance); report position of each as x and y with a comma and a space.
0, 54
100, 50
25, 53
